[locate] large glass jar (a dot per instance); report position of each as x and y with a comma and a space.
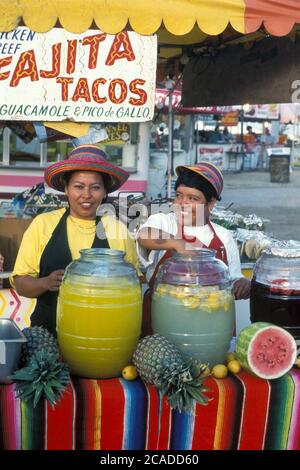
275, 289
193, 305
99, 313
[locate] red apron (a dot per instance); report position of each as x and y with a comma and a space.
215, 244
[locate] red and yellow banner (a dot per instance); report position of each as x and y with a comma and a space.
178, 16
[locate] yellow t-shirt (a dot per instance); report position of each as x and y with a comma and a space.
81, 234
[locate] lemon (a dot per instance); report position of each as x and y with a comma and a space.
162, 289
206, 307
191, 302
194, 303
213, 301
214, 297
230, 356
219, 371
180, 295
129, 373
214, 306
234, 366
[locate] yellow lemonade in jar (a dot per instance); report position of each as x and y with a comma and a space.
98, 326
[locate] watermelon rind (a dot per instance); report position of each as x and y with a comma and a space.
244, 344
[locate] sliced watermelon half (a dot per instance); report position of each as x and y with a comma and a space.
266, 350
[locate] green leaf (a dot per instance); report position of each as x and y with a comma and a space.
26, 389
55, 383
23, 374
49, 394
42, 377
38, 394
25, 394
197, 395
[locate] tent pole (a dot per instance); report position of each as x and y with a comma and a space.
170, 145
197, 137
242, 128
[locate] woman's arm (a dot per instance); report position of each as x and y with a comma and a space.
33, 287
241, 288
155, 239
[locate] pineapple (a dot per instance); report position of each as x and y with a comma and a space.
161, 364
43, 377
42, 374
38, 338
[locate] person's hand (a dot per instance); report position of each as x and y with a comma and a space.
53, 281
241, 288
181, 246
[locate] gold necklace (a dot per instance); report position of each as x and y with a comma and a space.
87, 229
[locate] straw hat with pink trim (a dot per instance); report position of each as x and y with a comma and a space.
85, 158
207, 170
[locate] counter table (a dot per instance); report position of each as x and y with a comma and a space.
244, 412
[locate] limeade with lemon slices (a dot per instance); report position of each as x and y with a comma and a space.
199, 320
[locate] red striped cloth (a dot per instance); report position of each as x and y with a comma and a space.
59, 427
206, 419
255, 410
159, 419
244, 412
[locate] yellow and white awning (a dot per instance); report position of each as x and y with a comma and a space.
179, 17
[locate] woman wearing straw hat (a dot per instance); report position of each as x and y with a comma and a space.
55, 238
198, 188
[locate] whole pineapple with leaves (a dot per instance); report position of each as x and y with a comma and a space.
161, 364
38, 338
43, 375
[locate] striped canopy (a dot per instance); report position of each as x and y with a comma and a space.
179, 17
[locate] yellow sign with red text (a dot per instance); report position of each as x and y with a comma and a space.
90, 77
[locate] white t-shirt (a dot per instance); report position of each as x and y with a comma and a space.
168, 223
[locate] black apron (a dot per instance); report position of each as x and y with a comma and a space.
56, 255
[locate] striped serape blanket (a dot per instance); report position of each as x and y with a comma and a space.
245, 413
